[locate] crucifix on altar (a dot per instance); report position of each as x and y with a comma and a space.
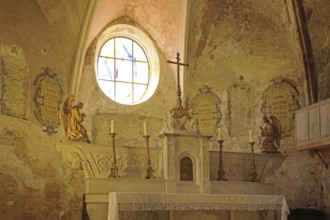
178, 111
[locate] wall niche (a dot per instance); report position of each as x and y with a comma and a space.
9, 201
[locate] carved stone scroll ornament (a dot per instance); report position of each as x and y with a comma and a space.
48, 99
95, 160
280, 100
128, 163
78, 160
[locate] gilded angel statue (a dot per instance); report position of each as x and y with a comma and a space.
71, 120
271, 133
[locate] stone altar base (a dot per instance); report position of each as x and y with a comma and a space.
95, 162
97, 208
105, 185
178, 206
97, 191
97, 205
244, 188
237, 165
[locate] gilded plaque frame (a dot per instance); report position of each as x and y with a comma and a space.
206, 107
280, 100
48, 98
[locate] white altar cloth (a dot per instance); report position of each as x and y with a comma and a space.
129, 201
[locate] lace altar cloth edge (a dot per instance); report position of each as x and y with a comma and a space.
127, 201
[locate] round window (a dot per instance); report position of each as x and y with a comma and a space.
127, 67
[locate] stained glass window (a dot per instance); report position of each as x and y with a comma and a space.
123, 70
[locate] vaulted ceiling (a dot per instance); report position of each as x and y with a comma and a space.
56, 33
77, 23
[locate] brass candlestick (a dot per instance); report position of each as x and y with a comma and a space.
221, 172
149, 168
114, 167
253, 172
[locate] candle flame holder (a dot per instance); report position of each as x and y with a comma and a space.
149, 168
221, 172
114, 167
253, 172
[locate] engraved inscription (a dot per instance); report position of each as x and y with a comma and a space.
48, 99
280, 100
279, 103
205, 110
205, 106
51, 97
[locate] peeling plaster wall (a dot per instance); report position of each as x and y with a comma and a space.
14, 78
97, 105
65, 21
317, 18
236, 48
164, 24
30, 158
45, 34
29, 162
234, 45
318, 22
163, 20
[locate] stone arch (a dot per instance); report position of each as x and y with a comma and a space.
186, 169
10, 203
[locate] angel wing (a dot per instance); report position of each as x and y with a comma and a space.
278, 130
65, 112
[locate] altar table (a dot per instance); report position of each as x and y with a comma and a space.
128, 201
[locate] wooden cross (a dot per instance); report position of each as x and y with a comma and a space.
178, 90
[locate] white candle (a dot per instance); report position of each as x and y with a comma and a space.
219, 133
145, 129
250, 136
112, 128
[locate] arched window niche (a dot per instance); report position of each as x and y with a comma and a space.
186, 169
138, 65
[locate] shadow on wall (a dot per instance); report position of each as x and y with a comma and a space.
307, 214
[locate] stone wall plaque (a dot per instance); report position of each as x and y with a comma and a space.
241, 104
280, 100
48, 98
205, 106
14, 81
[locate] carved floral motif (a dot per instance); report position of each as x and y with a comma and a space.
96, 161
